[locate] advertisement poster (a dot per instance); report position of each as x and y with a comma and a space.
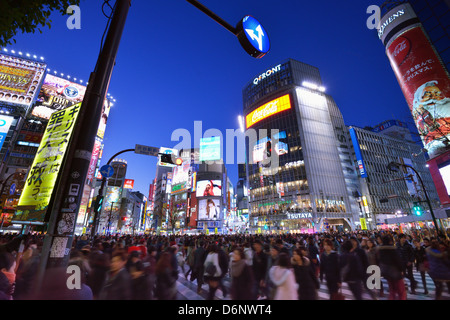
207, 188
19, 80
208, 209
94, 160
58, 94
425, 85
5, 123
47, 163
260, 148
128, 184
269, 109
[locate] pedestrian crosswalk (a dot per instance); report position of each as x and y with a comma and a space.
187, 290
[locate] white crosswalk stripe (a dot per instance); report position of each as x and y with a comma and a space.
187, 290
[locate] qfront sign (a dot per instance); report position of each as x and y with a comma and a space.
267, 74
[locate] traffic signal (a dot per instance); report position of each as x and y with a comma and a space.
417, 209
170, 158
98, 204
268, 148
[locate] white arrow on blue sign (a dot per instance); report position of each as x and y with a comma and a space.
106, 171
12, 189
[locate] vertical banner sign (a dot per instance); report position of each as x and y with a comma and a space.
93, 163
363, 223
5, 123
44, 171
426, 87
359, 158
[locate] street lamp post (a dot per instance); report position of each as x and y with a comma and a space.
395, 167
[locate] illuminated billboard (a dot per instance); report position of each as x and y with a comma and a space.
58, 93
208, 209
210, 149
19, 80
425, 85
182, 175
269, 109
128, 184
5, 123
47, 163
260, 147
206, 188
112, 197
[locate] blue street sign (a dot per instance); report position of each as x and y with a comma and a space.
12, 189
253, 37
106, 171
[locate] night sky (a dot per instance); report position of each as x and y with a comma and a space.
176, 65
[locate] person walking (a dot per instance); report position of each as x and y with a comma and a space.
407, 256
212, 270
117, 285
372, 258
282, 276
241, 277
166, 277
421, 262
199, 269
391, 267
351, 269
259, 268
305, 276
439, 266
330, 269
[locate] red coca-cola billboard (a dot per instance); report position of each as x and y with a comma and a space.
426, 86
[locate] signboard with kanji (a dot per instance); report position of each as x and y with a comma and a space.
46, 166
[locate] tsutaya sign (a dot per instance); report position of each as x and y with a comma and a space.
267, 74
302, 215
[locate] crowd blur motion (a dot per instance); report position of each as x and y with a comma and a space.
260, 267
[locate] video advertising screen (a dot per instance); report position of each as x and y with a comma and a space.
209, 209
206, 188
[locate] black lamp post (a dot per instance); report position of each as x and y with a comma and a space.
395, 167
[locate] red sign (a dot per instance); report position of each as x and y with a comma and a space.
128, 184
94, 159
425, 85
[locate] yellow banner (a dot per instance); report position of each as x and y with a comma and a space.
363, 223
47, 163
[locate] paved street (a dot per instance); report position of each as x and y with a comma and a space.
187, 290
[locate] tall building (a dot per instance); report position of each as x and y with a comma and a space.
416, 37
385, 195
301, 176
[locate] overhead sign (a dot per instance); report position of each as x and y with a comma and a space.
47, 163
269, 109
252, 37
106, 171
146, 150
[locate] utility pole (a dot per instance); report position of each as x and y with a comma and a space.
61, 225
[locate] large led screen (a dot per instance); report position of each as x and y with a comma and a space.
210, 149
207, 188
208, 209
260, 148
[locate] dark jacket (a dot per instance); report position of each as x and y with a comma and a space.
223, 262
259, 265
390, 262
420, 256
117, 287
140, 288
166, 285
406, 252
308, 284
241, 281
351, 267
329, 267
6, 289
439, 264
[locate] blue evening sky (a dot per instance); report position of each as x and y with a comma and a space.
176, 65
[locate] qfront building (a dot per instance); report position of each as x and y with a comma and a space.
301, 175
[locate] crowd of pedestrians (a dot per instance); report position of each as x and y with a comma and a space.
259, 267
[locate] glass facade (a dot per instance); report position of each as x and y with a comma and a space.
308, 184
